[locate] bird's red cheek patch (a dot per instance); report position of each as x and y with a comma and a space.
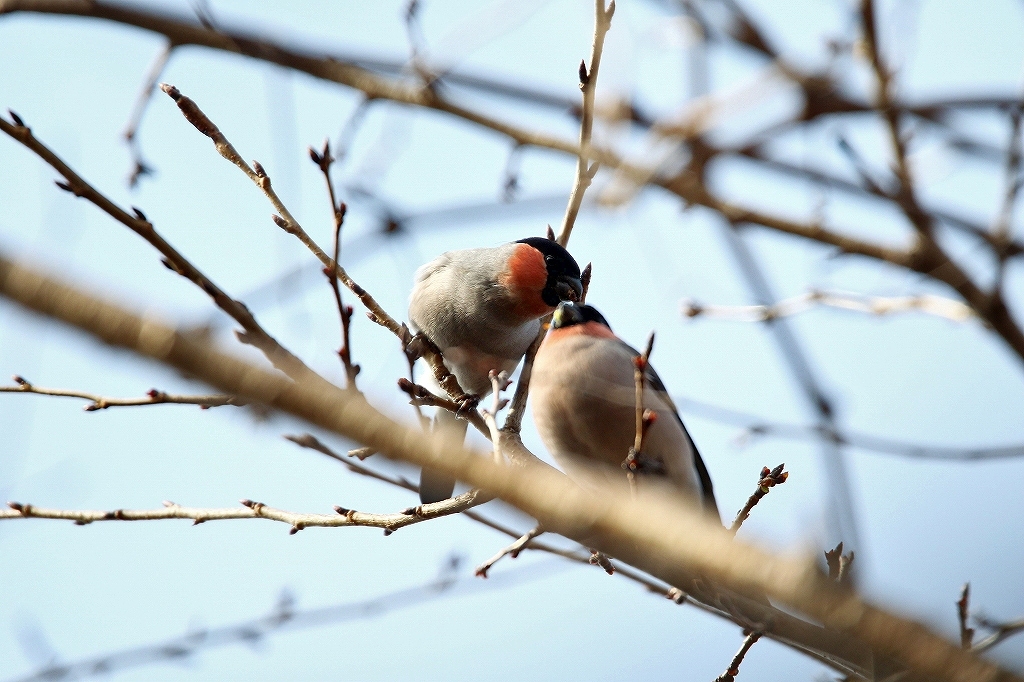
525, 277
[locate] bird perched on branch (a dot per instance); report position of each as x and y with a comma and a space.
482, 309
583, 394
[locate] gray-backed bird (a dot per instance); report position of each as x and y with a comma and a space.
482, 309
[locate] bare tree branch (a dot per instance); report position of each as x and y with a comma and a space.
661, 536
768, 480
97, 402
253, 333
927, 304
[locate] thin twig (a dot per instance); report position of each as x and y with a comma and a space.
422, 396
343, 517
284, 219
1001, 632
963, 613
97, 402
137, 222
839, 563
585, 170
284, 616
643, 418
734, 666
768, 480
499, 382
512, 550
323, 160
928, 304
130, 134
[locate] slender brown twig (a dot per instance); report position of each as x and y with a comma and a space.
98, 402
644, 418
963, 614
422, 396
585, 170
769, 479
734, 666
343, 517
131, 130
286, 221
137, 222
323, 159
512, 550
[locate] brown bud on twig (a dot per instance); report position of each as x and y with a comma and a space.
551, 234
17, 119
584, 76
139, 214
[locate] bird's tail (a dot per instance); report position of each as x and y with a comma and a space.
436, 485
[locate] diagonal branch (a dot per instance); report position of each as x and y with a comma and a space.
253, 333
661, 536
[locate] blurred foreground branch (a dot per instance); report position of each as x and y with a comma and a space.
658, 535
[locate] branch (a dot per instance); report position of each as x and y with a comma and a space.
323, 160
962, 611
643, 418
1002, 632
585, 171
344, 518
928, 304
287, 222
769, 479
662, 536
96, 402
734, 666
253, 333
139, 167
283, 617
420, 396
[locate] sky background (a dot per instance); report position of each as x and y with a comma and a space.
72, 592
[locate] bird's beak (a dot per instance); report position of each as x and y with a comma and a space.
566, 315
569, 288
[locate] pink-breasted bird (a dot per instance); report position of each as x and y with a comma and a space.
583, 397
482, 308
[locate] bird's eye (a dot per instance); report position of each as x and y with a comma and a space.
549, 258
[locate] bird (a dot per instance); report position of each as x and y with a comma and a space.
583, 400
482, 308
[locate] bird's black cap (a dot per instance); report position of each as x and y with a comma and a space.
563, 271
568, 314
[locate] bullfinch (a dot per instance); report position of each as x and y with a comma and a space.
583, 397
482, 308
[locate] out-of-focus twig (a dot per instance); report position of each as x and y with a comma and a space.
928, 304
139, 167
1001, 631
839, 563
963, 605
662, 535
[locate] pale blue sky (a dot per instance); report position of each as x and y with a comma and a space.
926, 527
